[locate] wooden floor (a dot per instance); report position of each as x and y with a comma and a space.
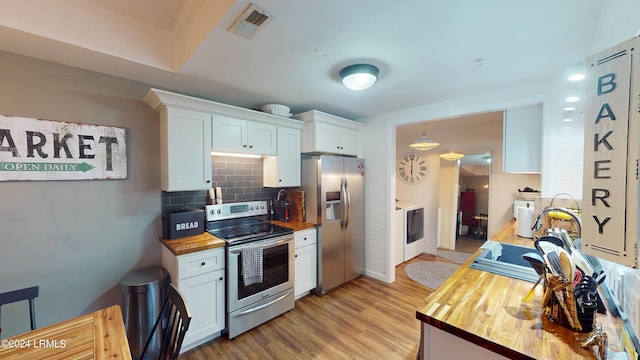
363, 319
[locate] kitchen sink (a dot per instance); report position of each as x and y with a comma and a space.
505, 259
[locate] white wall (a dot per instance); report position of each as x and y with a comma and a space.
76, 239
379, 138
618, 23
422, 194
448, 203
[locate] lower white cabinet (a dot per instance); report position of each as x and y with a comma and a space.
199, 276
306, 261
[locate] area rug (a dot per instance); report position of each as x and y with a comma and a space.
457, 257
430, 273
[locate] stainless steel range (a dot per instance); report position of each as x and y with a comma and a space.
260, 263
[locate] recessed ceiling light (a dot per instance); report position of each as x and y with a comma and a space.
569, 108
572, 99
567, 119
576, 77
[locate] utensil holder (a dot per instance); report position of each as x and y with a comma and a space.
559, 304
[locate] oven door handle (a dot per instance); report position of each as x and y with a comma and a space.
249, 311
238, 250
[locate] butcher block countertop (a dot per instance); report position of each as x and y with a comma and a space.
191, 244
487, 309
207, 241
295, 225
99, 335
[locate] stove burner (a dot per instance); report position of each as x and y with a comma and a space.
249, 232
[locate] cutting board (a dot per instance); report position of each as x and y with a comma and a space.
296, 205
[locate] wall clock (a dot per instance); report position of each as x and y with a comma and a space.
412, 168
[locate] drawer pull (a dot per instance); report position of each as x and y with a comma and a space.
221, 278
203, 263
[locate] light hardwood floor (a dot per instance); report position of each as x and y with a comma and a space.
363, 319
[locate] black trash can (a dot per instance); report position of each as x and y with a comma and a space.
143, 293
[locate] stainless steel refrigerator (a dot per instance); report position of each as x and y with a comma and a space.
334, 200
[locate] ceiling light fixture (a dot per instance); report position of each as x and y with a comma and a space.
452, 156
359, 76
576, 77
572, 99
423, 143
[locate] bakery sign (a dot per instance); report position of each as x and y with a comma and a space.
33, 149
612, 143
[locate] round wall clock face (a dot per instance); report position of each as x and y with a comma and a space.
412, 168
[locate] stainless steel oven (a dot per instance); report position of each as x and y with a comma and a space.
243, 226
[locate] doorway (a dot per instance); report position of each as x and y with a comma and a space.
473, 197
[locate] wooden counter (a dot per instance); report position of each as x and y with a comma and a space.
191, 244
486, 309
207, 241
295, 225
99, 335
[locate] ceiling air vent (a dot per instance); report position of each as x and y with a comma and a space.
250, 21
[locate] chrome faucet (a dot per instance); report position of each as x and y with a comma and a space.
538, 223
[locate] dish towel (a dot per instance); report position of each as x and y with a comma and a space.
252, 264
493, 247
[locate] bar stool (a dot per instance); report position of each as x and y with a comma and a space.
20, 295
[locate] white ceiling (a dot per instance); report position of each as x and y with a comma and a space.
427, 51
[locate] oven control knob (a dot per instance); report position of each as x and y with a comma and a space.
219, 211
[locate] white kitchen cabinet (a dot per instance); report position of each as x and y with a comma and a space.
185, 150
306, 261
242, 136
325, 133
199, 276
283, 170
522, 140
334, 139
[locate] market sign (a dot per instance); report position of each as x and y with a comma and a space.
612, 144
33, 149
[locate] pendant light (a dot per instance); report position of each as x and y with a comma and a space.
451, 156
424, 143
359, 76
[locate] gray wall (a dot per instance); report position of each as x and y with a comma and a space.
76, 239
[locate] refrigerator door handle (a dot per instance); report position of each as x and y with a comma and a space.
347, 203
342, 195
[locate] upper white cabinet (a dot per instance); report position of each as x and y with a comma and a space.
325, 133
522, 140
185, 143
284, 170
241, 136
191, 128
